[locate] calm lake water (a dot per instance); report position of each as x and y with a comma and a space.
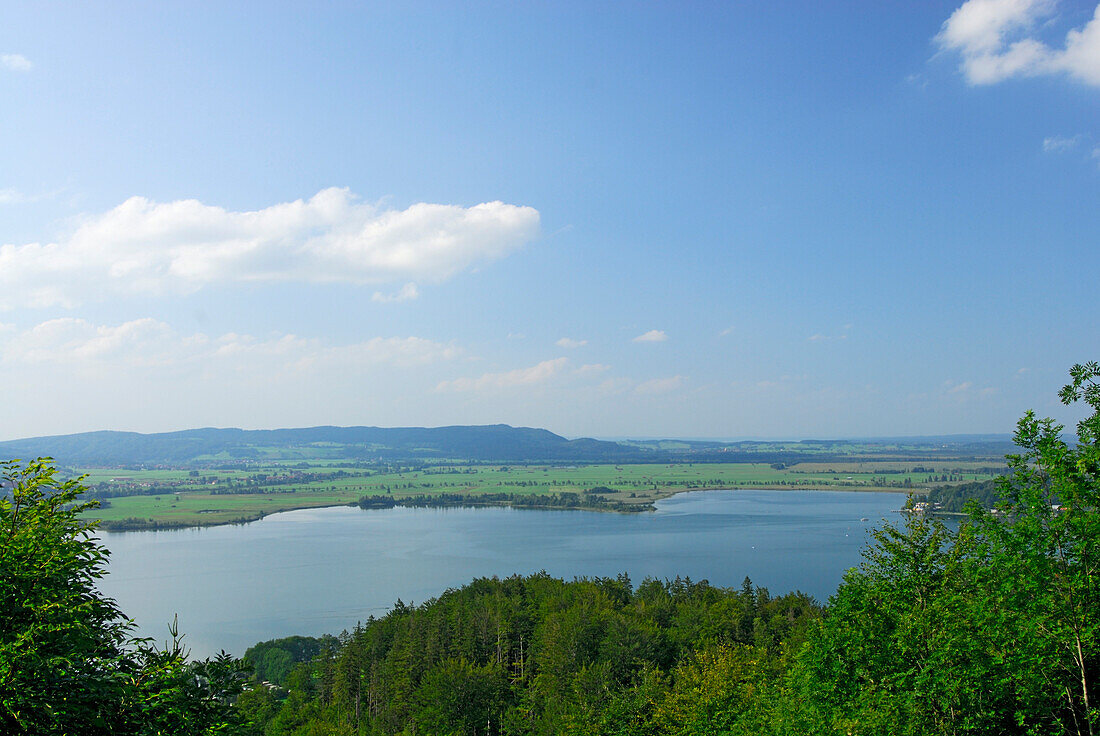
320, 571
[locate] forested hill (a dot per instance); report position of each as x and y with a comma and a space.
534, 655
954, 498
498, 442
490, 443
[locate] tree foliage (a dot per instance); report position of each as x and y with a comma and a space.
955, 497
67, 662
990, 627
540, 655
994, 628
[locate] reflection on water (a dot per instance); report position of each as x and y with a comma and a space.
321, 570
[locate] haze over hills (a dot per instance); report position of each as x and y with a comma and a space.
492, 442
489, 443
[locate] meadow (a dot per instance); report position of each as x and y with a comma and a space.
181, 497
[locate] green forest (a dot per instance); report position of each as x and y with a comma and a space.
954, 499
990, 628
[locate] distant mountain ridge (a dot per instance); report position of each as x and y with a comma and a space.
475, 443
497, 442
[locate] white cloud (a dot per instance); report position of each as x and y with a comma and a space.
408, 292
531, 376
569, 343
652, 336
147, 343
67, 341
967, 391
1060, 144
299, 352
981, 25
145, 247
992, 37
787, 382
15, 62
592, 368
398, 351
659, 385
12, 196
614, 386
726, 332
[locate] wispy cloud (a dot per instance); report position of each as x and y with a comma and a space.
592, 368
408, 292
660, 385
994, 38
533, 375
145, 247
69, 341
652, 336
963, 391
822, 337
569, 343
785, 380
148, 342
1060, 144
16, 62
12, 196
917, 80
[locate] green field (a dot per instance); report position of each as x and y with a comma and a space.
199, 498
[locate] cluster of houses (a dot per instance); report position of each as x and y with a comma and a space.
925, 507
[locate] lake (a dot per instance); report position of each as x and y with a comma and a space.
319, 571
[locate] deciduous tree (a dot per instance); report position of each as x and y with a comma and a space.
68, 664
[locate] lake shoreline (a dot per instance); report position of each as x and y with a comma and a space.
322, 570
153, 524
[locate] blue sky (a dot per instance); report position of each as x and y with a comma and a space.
698, 220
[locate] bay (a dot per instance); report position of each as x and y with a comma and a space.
318, 571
